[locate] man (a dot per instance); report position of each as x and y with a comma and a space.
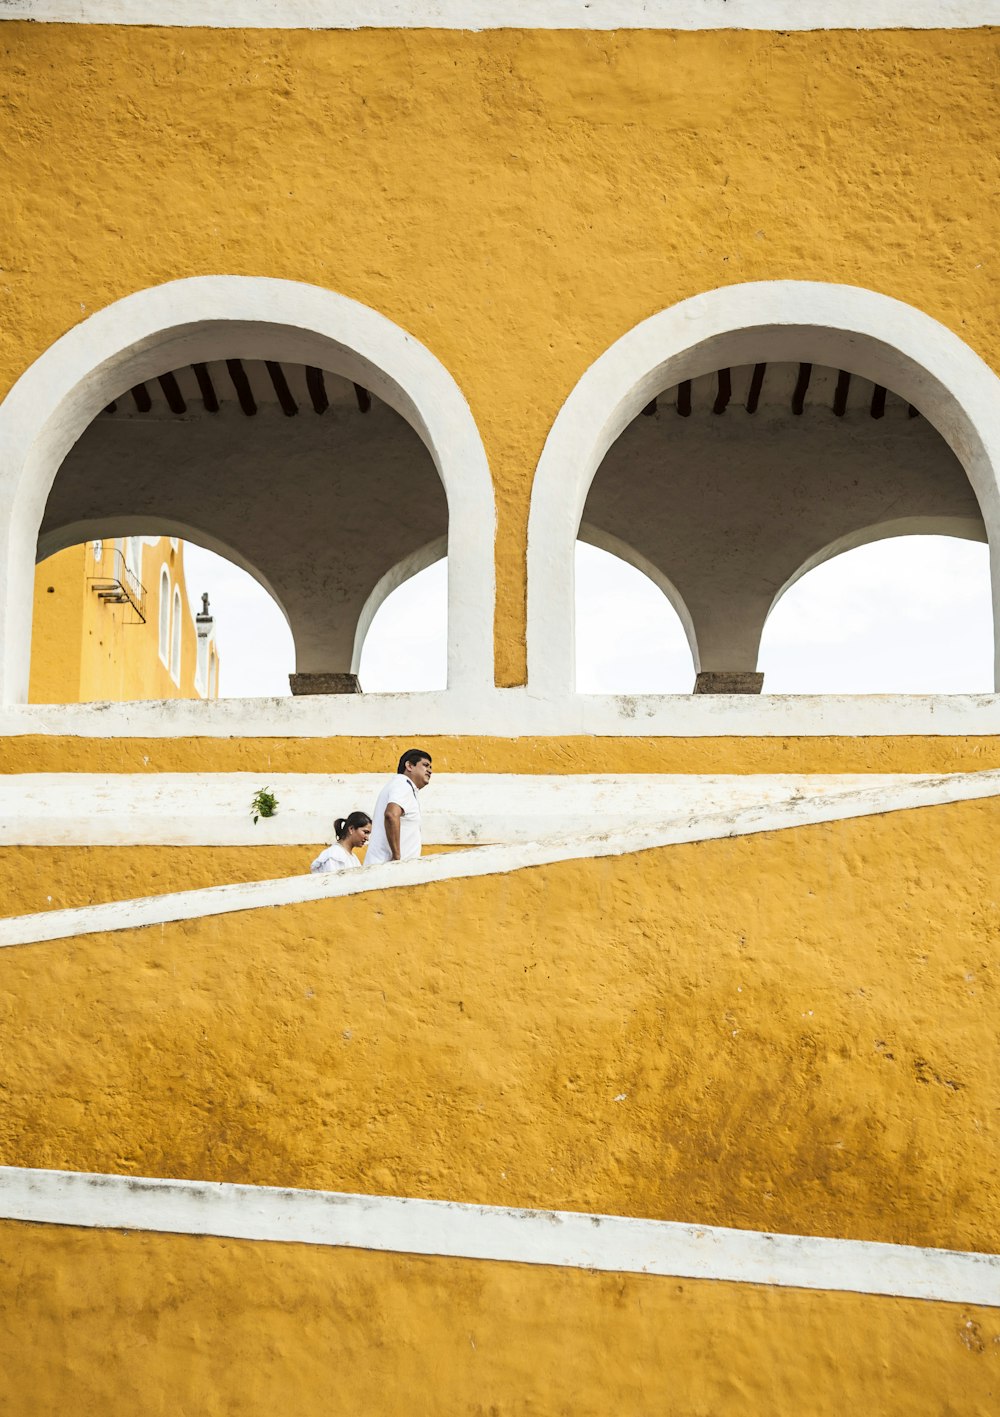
396, 819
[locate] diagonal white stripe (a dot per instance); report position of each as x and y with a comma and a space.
460, 809
564, 1239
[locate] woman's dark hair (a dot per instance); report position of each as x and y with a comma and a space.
411, 757
345, 824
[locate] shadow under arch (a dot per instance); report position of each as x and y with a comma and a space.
875, 336
203, 318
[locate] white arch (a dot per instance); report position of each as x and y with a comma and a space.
399, 574
842, 326
962, 528
73, 533
207, 317
604, 541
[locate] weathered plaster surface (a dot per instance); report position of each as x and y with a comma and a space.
564, 1239
726, 753
789, 1030
34, 878
516, 14
216, 1326
581, 725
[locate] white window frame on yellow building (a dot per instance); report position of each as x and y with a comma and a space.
176, 633
163, 611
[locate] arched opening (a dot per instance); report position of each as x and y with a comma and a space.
749, 432
292, 430
402, 637
405, 645
256, 651
906, 615
630, 638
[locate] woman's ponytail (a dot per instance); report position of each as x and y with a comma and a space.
345, 824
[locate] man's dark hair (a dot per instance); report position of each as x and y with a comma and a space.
411, 757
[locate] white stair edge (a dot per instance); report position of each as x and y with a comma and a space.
494, 860
561, 1239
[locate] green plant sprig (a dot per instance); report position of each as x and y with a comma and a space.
264, 804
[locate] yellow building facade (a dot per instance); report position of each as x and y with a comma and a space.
100, 632
665, 1082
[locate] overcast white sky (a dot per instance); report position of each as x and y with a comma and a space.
911, 615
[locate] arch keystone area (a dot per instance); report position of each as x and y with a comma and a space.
875, 336
204, 317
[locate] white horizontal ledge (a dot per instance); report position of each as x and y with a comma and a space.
516, 14
496, 860
558, 1238
458, 809
517, 713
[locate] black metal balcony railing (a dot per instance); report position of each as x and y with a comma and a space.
121, 587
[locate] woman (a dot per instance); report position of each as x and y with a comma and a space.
350, 832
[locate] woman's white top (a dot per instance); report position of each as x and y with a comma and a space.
335, 858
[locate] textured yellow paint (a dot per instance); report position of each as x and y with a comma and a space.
571, 754
34, 878
213, 1327
86, 649
54, 877
57, 627
793, 1031
515, 200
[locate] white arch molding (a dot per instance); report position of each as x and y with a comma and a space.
207, 317
72, 533
605, 541
874, 336
398, 575
961, 528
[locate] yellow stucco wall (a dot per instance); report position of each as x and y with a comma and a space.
556, 754
57, 626
172, 1324
54, 877
793, 1031
515, 200
85, 649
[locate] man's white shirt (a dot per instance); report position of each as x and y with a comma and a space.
398, 789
